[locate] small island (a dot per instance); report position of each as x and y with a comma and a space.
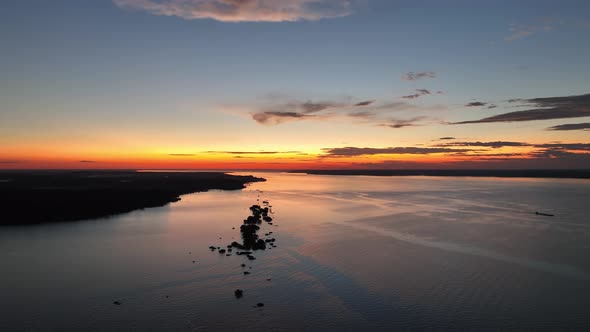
35, 197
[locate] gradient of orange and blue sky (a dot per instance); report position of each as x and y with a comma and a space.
290, 84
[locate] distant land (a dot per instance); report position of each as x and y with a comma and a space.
34, 197
525, 173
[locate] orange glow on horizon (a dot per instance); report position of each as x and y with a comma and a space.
107, 157
237, 162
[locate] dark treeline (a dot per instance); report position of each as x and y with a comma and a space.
54, 196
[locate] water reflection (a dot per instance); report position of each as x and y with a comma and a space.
353, 253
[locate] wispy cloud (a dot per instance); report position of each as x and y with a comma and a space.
475, 104
364, 103
552, 153
243, 10
277, 117
369, 111
576, 152
294, 110
519, 31
396, 106
571, 126
494, 144
545, 150
475, 151
484, 154
362, 114
181, 154
543, 109
356, 151
401, 123
88, 161
542, 156
413, 76
254, 152
446, 138
565, 146
419, 93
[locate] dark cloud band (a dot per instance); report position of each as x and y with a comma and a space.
544, 109
571, 126
356, 151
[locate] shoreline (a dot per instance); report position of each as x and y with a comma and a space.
30, 197
528, 173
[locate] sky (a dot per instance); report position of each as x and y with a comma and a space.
294, 84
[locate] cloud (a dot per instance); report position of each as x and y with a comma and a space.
277, 113
355, 151
472, 151
413, 76
362, 114
182, 155
446, 138
400, 123
88, 161
364, 103
569, 151
277, 117
554, 153
420, 93
565, 146
475, 104
544, 109
495, 144
519, 31
282, 109
309, 107
416, 95
253, 152
243, 10
490, 155
571, 126
395, 106
546, 150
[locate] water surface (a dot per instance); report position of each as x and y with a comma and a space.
354, 252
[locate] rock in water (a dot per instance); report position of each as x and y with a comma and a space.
259, 245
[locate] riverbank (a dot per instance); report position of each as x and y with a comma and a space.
34, 197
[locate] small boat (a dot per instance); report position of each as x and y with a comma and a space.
544, 214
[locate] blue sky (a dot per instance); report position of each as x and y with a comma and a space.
81, 70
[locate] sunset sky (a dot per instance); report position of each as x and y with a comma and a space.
294, 84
